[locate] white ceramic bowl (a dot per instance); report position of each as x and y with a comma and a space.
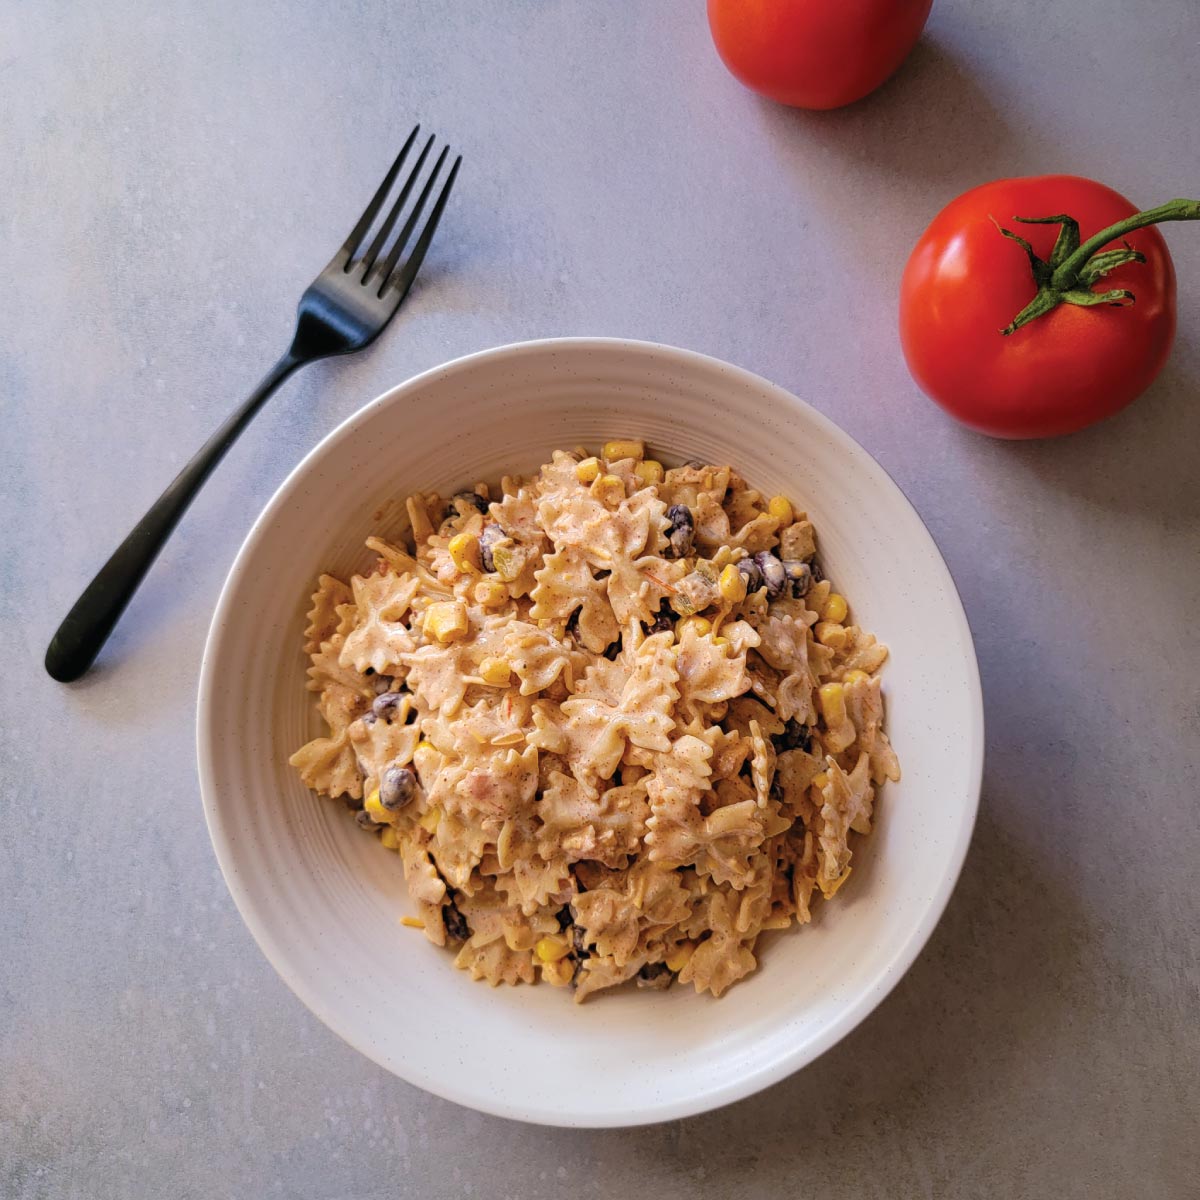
323, 900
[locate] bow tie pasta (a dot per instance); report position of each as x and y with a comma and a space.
612, 719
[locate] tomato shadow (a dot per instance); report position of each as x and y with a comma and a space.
932, 120
1143, 461
930, 131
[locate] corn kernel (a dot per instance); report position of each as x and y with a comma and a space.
490, 593
446, 620
464, 552
412, 922
732, 584
588, 470
833, 704
856, 676
780, 508
650, 473
830, 634
375, 810
431, 820
835, 608
551, 949
720, 641
608, 489
680, 956
615, 451
389, 839
424, 744
698, 625
494, 671
821, 780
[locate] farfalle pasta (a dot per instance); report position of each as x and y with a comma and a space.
612, 719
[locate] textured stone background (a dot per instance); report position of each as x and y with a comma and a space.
173, 174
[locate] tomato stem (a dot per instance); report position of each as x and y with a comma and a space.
1073, 269
1173, 210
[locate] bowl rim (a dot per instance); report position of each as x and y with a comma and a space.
893, 966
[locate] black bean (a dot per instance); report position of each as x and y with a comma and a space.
817, 573
655, 975
795, 736
456, 925
491, 534
664, 620
579, 943
365, 822
463, 501
748, 569
681, 530
773, 574
800, 576
383, 706
397, 788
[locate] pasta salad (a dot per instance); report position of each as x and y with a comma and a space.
611, 718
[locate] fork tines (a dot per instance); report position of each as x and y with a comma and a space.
380, 271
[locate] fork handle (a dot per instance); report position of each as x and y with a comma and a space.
86, 627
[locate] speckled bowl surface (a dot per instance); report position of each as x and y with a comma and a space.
323, 900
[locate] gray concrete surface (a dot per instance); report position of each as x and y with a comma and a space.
172, 175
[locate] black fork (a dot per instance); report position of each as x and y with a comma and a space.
344, 309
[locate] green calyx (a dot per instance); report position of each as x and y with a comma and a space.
1073, 270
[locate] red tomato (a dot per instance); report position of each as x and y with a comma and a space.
815, 53
1065, 369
